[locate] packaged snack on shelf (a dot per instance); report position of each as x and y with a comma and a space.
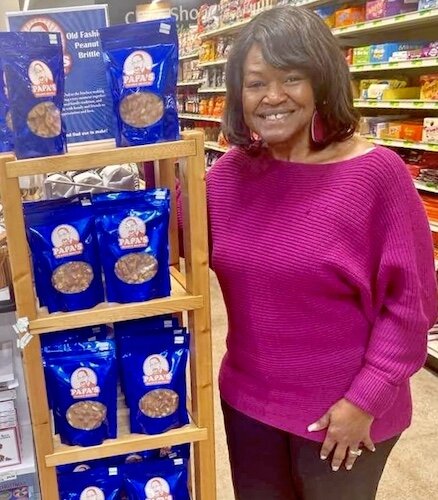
349, 16
376, 89
393, 131
133, 238
382, 52
203, 18
83, 382
427, 4
6, 135
160, 479
142, 65
34, 70
412, 130
327, 13
156, 366
401, 93
430, 130
98, 484
429, 87
362, 55
430, 50
63, 242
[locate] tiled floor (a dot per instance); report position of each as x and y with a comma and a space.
412, 471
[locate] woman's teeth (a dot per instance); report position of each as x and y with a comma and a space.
276, 116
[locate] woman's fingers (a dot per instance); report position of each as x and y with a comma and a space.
339, 456
327, 447
354, 452
321, 424
369, 444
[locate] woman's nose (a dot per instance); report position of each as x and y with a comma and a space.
275, 93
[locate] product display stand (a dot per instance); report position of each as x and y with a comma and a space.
189, 293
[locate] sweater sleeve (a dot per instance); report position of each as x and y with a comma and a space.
404, 293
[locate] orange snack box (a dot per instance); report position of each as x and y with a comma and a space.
349, 16
412, 131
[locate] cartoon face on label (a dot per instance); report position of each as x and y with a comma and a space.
40, 73
83, 378
66, 241
158, 489
92, 493
132, 233
137, 70
156, 370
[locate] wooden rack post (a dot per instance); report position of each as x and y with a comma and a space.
190, 294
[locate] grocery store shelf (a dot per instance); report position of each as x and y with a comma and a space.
433, 226
212, 90
411, 19
217, 62
396, 104
191, 83
27, 465
231, 28
399, 143
429, 62
214, 146
189, 56
423, 186
191, 116
98, 155
124, 444
179, 301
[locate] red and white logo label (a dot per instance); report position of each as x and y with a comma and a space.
158, 489
41, 77
156, 370
84, 384
132, 233
66, 241
137, 70
92, 493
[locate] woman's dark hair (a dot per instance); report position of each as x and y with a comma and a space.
293, 37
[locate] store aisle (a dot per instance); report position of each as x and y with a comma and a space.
411, 473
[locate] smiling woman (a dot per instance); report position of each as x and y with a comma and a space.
325, 260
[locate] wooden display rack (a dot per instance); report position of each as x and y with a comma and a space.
189, 293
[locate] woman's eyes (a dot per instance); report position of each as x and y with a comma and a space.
254, 85
292, 79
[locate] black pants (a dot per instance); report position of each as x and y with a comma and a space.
270, 464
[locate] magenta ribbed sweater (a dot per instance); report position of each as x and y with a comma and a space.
328, 278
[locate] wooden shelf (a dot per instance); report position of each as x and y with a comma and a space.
125, 444
396, 104
214, 146
417, 18
98, 156
106, 312
429, 62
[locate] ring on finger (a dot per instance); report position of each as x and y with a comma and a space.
355, 453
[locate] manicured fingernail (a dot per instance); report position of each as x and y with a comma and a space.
373, 450
312, 428
335, 468
323, 457
348, 467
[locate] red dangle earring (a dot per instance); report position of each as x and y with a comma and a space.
317, 129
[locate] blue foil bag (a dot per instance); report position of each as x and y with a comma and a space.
6, 135
83, 382
63, 241
157, 480
96, 484
34, 71
133, 236
155, 365
142, 67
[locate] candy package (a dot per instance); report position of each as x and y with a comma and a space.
6, 136
157, 479
97, 484
142, 66
83, 383
156, 366
63, 241
34, 71
133, 237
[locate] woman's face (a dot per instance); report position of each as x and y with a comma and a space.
277, 104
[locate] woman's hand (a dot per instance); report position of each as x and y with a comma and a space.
347, 428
